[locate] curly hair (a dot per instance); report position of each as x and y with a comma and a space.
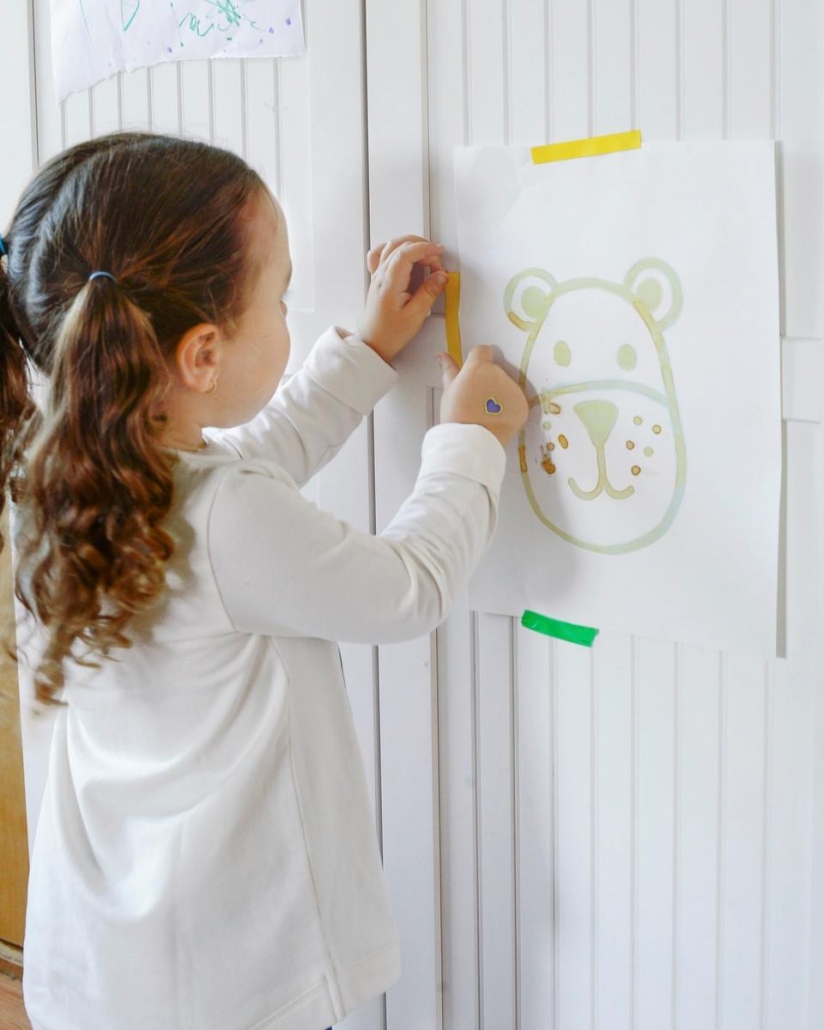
91, 479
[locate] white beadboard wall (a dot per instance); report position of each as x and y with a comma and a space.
625, 839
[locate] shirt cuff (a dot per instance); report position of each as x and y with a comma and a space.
349, 370
467, 450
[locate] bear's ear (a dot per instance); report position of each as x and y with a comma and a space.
527, 297
654, 284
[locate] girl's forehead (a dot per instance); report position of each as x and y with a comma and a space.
268, 234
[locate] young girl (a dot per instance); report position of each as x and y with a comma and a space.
206, 857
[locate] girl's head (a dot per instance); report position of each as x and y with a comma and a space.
198, 251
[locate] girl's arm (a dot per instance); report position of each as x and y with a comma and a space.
314, 412
285, 568
310, 417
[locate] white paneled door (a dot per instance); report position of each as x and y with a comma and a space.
622, 839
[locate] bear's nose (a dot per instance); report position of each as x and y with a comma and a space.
599, 419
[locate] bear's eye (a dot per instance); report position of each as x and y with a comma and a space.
562, 353
627, 358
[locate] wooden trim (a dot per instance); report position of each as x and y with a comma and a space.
11, 960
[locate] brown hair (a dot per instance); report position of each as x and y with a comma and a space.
165, 217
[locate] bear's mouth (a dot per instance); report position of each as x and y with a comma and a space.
598, 415
603, 484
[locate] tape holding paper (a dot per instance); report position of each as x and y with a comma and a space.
583, 635
452, 306
591, 147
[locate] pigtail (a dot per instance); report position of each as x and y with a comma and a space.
98, 482
16, 406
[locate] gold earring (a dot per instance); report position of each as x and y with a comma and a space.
213, 387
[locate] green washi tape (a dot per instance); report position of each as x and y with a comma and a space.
583, 635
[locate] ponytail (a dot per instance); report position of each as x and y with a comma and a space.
98, 482
169, 220
16, 406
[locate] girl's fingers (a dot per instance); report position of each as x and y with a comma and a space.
480, 354
393, 244
449, 368
404, 258
373, 258
421, 301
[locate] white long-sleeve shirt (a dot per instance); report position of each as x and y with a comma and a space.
206, 856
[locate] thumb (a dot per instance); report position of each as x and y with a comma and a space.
449, 368
427, 293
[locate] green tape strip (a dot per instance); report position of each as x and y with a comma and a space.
583, 635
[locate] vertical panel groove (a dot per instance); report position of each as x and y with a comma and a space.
592, 84
35, 121
726, 74
279, 134
549, 92
179, 71
676, 834
211, 87
476, 807
721, 842
593, 836
553, 772
435, 750
149, 100
244, 103
634, 832
680, 69
775, 69
467, 71
516, 846
506, 43
765, 847
635, 78
426, 171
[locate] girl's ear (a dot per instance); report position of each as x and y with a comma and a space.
197, 357
655, 284
527, 297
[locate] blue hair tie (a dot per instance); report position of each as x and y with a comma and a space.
104, 275
3, 250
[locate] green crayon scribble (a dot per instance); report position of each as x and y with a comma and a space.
128, 12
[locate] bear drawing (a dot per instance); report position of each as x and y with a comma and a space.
602, 454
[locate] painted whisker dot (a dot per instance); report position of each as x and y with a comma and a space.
630, 445
649, 452
551, 446
554, 408
562, 440
638, 420
636, 470
547, 425
656, 430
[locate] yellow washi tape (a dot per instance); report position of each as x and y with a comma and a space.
453, 325
587, 147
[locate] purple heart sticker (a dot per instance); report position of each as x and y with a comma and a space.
492, 406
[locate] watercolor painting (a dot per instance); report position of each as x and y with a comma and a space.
602, 457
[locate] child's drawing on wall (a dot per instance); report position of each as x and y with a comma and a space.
602, 456
634, 296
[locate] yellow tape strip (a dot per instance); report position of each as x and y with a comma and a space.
587, 147
453, 325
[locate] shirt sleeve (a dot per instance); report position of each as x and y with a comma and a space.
285, 568
314, 411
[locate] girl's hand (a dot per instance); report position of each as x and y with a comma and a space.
482, 393
401, 293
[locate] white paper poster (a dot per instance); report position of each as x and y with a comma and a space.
93, 39
636, 296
